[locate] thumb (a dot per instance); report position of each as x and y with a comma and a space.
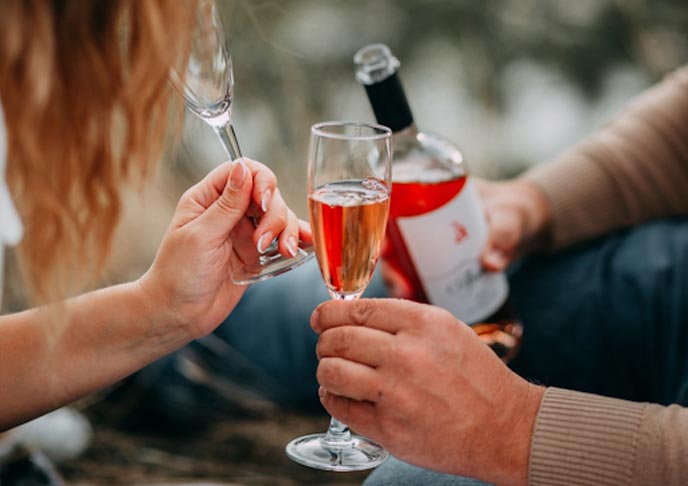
230, 205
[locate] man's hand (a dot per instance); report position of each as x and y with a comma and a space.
421, 383
518, 218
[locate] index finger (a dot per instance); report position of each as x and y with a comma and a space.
389, 315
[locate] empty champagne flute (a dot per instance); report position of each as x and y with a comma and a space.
208, 87
349, 186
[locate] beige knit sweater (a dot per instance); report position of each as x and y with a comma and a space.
634, 170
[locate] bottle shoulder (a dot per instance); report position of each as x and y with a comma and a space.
428, 157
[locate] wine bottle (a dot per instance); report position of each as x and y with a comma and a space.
436, 228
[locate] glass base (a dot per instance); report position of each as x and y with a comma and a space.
271, 264
358, 454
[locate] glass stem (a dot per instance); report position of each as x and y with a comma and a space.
228, 138
338, 435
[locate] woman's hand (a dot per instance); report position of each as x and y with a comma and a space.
421, 383
518, 221
211, 233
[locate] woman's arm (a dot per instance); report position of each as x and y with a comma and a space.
53, 355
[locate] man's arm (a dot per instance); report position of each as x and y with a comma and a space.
582, 438
632, 171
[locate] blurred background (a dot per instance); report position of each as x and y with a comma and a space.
512, 82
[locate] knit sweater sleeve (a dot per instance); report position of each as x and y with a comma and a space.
633, 170
581, 438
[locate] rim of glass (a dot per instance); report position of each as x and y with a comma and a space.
320, 129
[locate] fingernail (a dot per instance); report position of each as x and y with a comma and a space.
291, 246
496, 259
314, 318
238, 174
264, 242
265, 201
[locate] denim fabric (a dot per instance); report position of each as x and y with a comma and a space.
397, 473
610, 316
270, 328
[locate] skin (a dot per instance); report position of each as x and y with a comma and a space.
51, 356
420, 382
518, 218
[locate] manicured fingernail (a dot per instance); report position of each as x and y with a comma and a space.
265, 201
238, 174
291, 246
264, 242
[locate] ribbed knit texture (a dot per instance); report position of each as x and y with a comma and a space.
584, 439
634, 170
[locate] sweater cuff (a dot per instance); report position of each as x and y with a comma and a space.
581, 438
566, 185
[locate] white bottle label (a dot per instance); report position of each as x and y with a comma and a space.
445, 247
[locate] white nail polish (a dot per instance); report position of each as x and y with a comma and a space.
291, 246
264, 242
265, 201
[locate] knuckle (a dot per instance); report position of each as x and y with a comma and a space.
321, 347
186, 197
329, 374
342, 342
270, 178
427, 316
265, 172
362, 311
443, 315
228, 203
404, 353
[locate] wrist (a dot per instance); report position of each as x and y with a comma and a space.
535, 212
162, 318
521, 425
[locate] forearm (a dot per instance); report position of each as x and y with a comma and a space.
583, 438
52, 356
634, 170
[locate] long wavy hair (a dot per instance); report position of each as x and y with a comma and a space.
84, 87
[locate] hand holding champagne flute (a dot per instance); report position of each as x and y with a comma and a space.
349, 185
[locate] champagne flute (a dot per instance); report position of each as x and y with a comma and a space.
208, 88
349, 186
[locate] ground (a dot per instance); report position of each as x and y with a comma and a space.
247, 450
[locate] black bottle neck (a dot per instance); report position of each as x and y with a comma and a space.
389, 103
